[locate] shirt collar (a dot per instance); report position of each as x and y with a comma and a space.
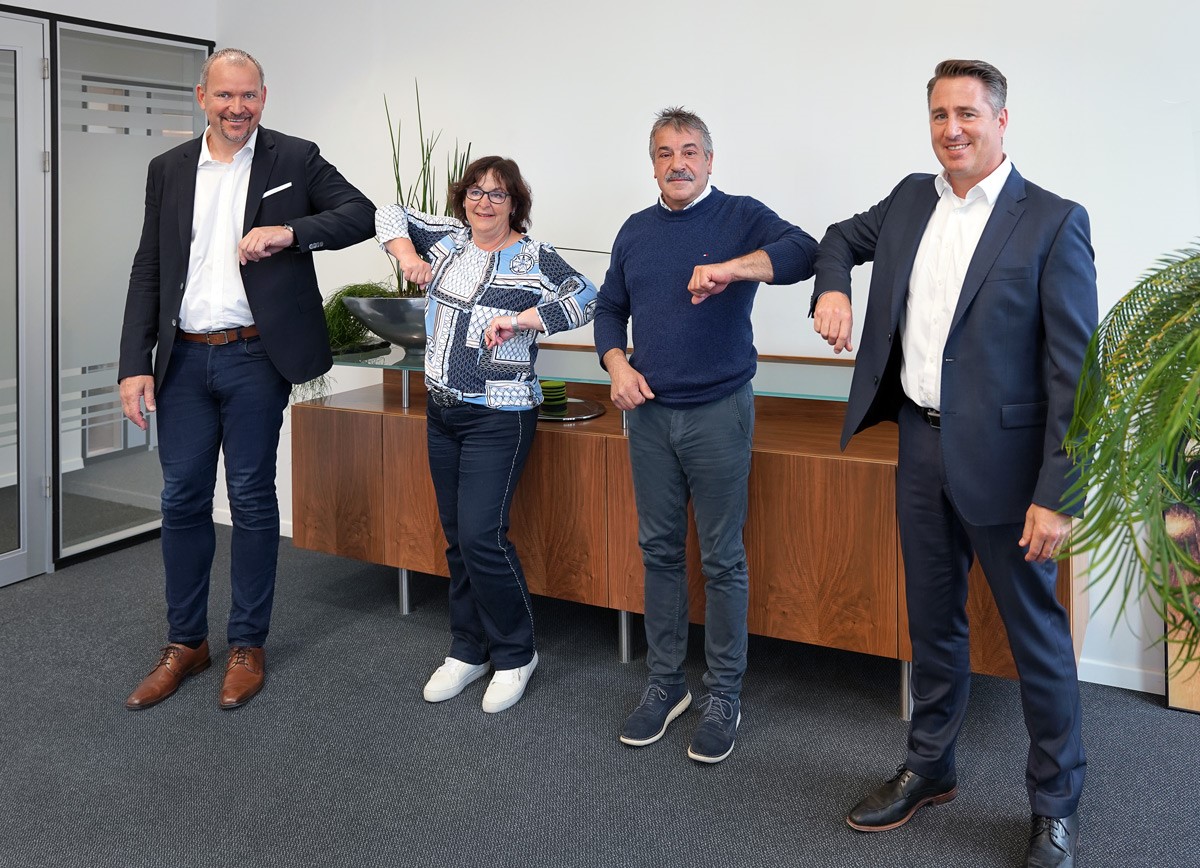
707, 190
206, 155
988, 189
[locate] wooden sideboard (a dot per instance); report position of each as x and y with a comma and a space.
821, 536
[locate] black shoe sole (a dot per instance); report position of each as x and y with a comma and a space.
931, 800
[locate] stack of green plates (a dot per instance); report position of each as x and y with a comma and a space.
554, 396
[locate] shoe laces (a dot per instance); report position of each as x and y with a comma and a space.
653, 694
239, 656
716, 709
1052, 826
169, 653
507, 676
452, 666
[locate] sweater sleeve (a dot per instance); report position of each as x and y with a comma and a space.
792, 251
610, 326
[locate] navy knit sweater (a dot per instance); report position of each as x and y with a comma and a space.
692, 354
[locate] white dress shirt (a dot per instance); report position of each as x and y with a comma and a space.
935, 284
214, 297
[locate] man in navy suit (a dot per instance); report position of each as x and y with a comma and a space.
982, 301
223, 285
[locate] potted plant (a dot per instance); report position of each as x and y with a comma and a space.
393, 309
1136, 433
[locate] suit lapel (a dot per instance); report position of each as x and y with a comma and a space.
189, 158
999, 228
910, 241
260, 175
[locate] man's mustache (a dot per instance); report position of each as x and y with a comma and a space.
682, 175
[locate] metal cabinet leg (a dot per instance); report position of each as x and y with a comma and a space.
906, 700
402, 578
624, 638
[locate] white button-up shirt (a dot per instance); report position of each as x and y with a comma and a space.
935, 284
214, 297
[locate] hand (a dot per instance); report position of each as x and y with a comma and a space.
1045, 532
416, 270
833, 319
263, 241
498, 331
629, 388
133, 389
710, 280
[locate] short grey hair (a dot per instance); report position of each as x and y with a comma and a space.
993, 80
236, 56
680, 119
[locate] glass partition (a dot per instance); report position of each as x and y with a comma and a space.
123, 100
10, 489
779, 376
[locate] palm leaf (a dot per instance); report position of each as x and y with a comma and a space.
1136, 433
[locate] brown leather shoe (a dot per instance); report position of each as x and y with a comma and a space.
176, 663
244, 675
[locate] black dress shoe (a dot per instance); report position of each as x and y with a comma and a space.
893, 804
1052, 841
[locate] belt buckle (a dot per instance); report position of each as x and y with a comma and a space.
933, 417
224, 333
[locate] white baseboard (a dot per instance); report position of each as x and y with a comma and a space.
1101, 672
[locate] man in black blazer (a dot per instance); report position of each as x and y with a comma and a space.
982, 301
223, 285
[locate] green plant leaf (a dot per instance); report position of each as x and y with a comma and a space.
1136, 435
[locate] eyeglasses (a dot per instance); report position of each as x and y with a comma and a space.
496, 197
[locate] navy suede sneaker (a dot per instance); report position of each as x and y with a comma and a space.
661, 703
714, 737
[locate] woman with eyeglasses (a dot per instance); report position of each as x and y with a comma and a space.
491, 290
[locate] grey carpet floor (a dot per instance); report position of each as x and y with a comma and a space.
339, 762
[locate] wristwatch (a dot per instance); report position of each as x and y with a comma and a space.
288, 227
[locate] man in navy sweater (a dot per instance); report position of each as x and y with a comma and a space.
687, 391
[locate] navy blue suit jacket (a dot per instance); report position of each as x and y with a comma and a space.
323, 208
1015, 347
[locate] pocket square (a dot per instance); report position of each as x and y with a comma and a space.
275, 190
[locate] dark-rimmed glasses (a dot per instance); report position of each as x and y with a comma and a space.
496, 197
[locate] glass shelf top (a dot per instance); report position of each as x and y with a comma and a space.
786, 378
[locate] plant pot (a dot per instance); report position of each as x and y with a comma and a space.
395, 319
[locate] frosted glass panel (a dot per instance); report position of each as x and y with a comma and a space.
122, 101
10, 511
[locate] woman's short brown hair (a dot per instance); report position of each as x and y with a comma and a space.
509, 175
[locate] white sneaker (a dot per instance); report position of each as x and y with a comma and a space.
450, 678
507, 686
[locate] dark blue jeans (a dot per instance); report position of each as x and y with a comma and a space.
476, 455
701, 454
218, 399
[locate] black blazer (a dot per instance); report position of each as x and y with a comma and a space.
323, 208
1015, 348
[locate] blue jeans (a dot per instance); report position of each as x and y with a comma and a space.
702, 454
216, 399
476, 455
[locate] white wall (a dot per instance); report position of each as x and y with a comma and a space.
817, 109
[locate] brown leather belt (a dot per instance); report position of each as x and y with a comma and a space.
225, 336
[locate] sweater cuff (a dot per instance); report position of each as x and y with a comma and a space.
788, 262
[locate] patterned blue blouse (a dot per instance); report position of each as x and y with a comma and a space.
469, 287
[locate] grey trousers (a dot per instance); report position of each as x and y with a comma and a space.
701, 454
